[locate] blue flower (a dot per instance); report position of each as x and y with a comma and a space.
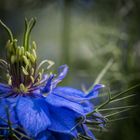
31, 103
60, 113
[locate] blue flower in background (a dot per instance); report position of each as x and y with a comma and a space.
33, 106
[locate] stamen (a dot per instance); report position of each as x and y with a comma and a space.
34, 53
34, 45
25, 72
32, 71
22, 50
13, 59
51, 63
23, 88
32, 79
3, 62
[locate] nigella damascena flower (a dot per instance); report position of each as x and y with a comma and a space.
31, 102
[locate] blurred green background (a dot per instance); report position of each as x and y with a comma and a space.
85, 35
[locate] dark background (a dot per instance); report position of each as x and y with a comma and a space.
86, 34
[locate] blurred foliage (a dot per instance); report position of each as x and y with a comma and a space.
85, 34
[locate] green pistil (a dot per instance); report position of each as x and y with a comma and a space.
28, 28
8, 30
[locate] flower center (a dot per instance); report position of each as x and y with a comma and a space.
21, 64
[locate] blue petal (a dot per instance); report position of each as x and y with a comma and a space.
63, 120
33, 115
62, 72
99, 118
87, 106
44, 78
95, 91
48, 135
7, 106
59, 101
71, 98
48, 86
45, 135
77, 95
70, 94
